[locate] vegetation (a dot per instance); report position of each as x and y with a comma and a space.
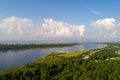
75, 53
105, 54
102, 64
5, 47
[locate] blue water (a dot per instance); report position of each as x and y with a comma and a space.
11, 59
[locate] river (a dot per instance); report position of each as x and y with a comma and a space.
11, 59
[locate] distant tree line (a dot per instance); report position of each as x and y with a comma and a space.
5, 47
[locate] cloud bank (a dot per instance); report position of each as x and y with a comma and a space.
15, 28
53, 28
107, 28
107, 23
24, 28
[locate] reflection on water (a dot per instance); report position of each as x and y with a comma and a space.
12, 59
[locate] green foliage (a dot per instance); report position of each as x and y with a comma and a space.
104, 54
5, 47
75, 53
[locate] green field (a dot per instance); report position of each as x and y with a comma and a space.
57, 55
75, 53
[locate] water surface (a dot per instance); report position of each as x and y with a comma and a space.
11, 59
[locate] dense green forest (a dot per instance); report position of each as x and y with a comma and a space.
96, 64
5, 47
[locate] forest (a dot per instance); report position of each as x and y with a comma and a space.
100, 64
5, 47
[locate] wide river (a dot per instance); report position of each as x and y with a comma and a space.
11, 59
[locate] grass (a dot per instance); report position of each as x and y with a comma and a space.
58, 55
75, 53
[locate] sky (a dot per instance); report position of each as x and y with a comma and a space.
59, 19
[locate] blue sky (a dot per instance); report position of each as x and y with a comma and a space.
72, 11
82, 13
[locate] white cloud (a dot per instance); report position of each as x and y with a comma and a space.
118, 24
113, 34
106, 28
94, 12
24, 28
108, 23
54, 28
16, 28
14, 25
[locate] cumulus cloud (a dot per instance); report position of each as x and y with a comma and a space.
106, 27
107, 23
113, 34
14, 25
54, 28
22, 28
